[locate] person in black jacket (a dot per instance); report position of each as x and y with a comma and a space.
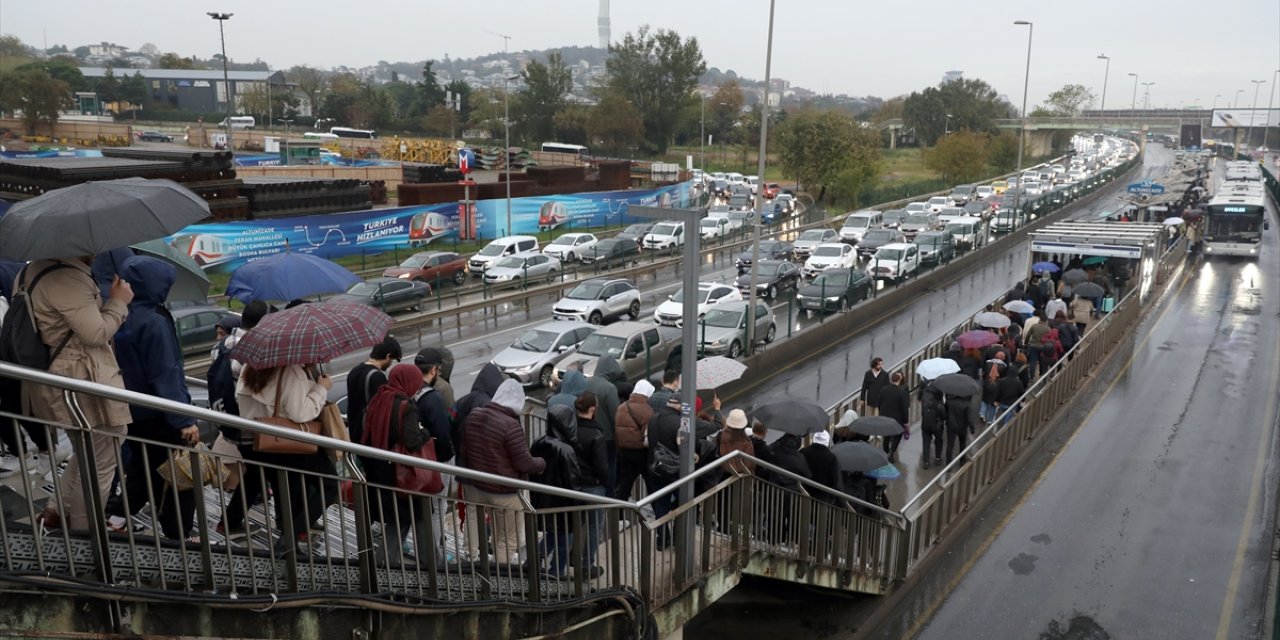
593, 451
1008, 389
433, 415
933, 421
663, 432
895, 404
565, 469
959, 425
872, 382
823, 466
392, 419
486, 384
786, 454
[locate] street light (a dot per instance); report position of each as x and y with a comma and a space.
1215, 100
1235, 104
1146, 95
506, 125
1133, 106
1022, 137
1105, 75
759, 204
1266, 129
1248, 136
222, 18
946, 125
702, 132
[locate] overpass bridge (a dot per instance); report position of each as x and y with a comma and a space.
1115, 120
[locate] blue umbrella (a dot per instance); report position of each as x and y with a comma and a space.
289, 276
887, 472
1044, 267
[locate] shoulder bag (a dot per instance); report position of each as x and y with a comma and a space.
414, 478
266, 443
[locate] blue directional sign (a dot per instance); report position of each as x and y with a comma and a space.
1147, 188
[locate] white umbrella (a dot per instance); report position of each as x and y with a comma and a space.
992, 320
1019, 306
934, 367
718, 370
1173, 221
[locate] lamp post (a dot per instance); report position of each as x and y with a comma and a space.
506, 125
1248, 136
1105, 75
1146, 95
1271, 98
1133, 106
1022, 133
222, 18
1215, 101
702, 133
759, 204
946, 125
1235, 104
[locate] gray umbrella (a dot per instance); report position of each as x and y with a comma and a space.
876, 426
94, 217
1088, 290
859, 456
1075, 276
792, 416
957, 384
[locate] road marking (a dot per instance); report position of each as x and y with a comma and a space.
932, 609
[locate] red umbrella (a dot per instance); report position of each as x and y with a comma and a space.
310, 334
977, 339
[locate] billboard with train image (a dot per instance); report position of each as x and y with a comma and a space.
224, 246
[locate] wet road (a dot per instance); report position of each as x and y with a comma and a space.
1155, 521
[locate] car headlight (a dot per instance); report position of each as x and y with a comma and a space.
833, 298
403, 276
525, 369
719, 343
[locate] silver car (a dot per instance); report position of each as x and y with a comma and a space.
723, 331
809, 240
532, 358
522, 267
597, 300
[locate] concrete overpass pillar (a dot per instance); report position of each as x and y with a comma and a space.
1142, 139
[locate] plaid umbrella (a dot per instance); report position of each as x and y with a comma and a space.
311, 334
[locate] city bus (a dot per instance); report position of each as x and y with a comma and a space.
1234, 221
560, 147
345, 132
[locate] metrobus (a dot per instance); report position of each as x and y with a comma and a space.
560, 147
319, 135
346, 132
1234, 221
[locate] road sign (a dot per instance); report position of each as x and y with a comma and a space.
465, 158
1147, 188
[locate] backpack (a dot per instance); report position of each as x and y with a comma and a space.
222, 384
20, 341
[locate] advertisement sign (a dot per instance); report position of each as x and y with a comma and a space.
224, 246
1146, 188
1246, 118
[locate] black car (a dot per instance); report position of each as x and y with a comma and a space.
773, 276
834, 291
612, 251
769, 250
195, 325
936, 247
389, 294
154, 136
893, 217
635, 232
720, 189
876, 238
741, 202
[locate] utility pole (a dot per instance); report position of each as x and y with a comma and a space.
1105, 75
222, 18
759, 204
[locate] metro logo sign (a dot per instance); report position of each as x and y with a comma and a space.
465, 159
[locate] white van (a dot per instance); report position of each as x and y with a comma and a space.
239, 122
858, 224
499, 249
664, 235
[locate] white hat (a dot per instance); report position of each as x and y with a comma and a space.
823, 438
847, 419
737, 420
644, 388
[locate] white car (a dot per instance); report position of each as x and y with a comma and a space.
735, 178
938, 203
916, 207
571, 246
664, 235
1032, 187
985, 191
712, 228
894, 261
597, 300
671, 312
835, 255
754, 183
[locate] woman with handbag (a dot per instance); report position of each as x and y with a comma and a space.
294, 395
391, 424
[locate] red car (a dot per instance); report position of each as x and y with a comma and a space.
771, 190
431, 266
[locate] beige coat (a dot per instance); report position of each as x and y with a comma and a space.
69, 300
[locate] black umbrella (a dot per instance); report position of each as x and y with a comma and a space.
792, 416
859, 456
1075, 276
1088, 290
876, 426
94, 217
957, 384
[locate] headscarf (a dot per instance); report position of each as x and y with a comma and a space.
403, 383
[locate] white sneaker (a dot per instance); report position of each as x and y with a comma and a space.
62, 452
43, 470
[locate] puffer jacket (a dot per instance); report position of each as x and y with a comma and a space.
604, 384
563, 467
493, 441
572, 386
632, 422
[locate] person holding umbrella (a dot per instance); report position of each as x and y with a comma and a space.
933, 421
823, 466
895, 405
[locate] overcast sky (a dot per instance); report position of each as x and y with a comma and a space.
1192, 50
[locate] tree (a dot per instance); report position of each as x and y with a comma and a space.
971, 103
459, 88
174, 61
259, 100
441, 121
12, 47
571, 124
133, 89
616, 123
59, 69
108, 88
429, 88
823, 148
545, 94
486, 113
960, 156
1003, 155
404, 98
1069, 101
311, 83
656, 72
39, 95
724, 109
890, 110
